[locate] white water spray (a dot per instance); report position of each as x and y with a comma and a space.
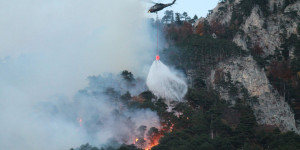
164, 83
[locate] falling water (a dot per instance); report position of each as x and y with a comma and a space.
165, 83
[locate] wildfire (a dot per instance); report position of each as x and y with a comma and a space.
171, 127
154, 141
149, 139
148, 142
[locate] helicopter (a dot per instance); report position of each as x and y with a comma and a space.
159, 6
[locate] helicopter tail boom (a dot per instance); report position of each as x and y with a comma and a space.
171, 3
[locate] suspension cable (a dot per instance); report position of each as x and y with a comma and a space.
157, 50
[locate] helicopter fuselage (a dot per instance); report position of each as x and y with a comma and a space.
159, 6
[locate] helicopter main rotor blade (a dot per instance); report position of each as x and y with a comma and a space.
149, 1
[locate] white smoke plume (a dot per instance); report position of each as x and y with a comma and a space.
99, 112
165, 83
47, 50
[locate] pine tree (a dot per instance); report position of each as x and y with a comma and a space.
275, 9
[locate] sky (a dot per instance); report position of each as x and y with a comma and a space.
192, 7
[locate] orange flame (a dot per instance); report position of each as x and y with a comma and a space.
154, 141
171, 128
150, 141
80, 121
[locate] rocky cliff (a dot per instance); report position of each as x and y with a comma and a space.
265, 28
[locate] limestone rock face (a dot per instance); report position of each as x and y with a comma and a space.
222, 12
258, 30
267, 38
294, 7
271, 109
240, 41
265, 32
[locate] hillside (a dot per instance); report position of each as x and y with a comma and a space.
269, 31
242, 64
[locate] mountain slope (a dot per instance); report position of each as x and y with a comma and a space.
261, 28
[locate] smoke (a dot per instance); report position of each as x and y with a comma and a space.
49, 41
165, 83
101, 114
47, 50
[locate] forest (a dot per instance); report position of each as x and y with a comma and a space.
205, 121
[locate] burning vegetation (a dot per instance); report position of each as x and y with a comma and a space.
203, 121
141, 133
134, 118
149, 140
